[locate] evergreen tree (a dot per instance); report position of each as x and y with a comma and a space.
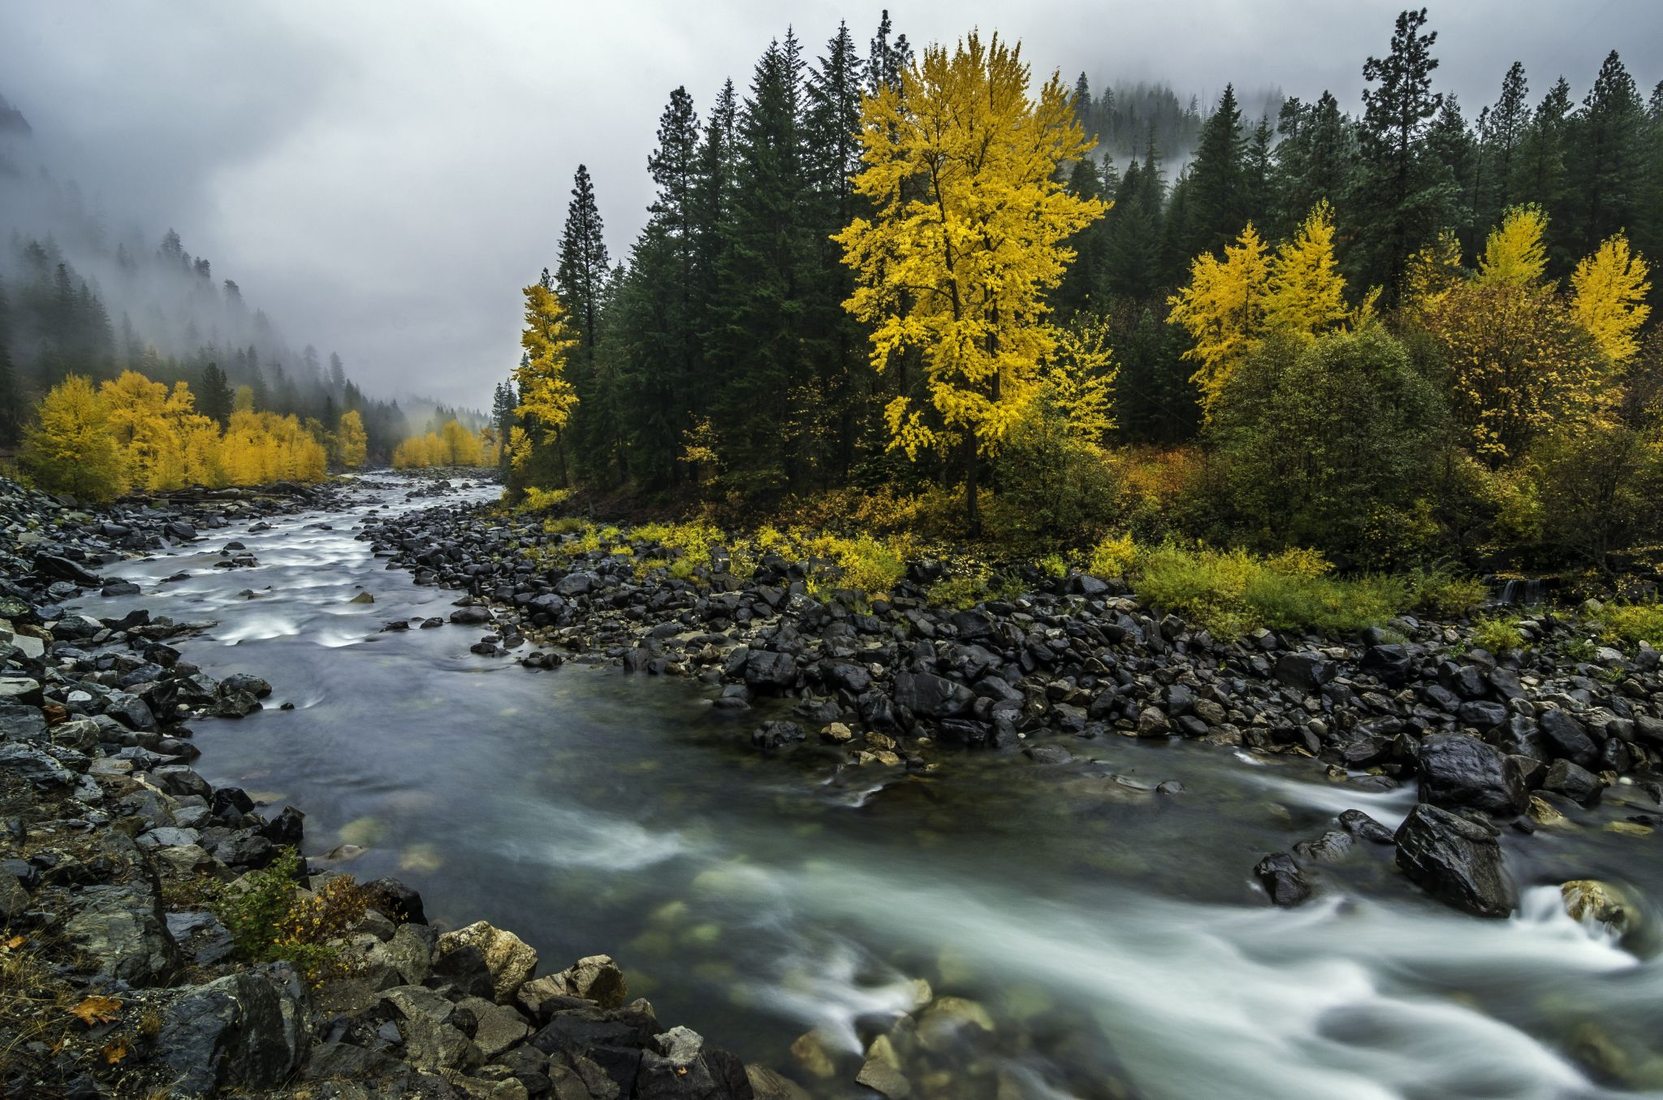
1605, 183
214, 395
1452, 144
1313, 162
1403, 191
1501, 137
1217, 200
11, 395
887, 59
581, 273
1542, 166
762, 406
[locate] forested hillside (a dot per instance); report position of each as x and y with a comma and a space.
1455, 357
77, 296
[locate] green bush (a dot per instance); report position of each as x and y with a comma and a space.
270, 917
1631, 624
1497, 635
1232, 591
1333, 444
1055, 488
1444, 593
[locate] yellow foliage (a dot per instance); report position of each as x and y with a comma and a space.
165, 443
1223, 309
452, 445
967, 235
1114, 556
545, 394
1079, 380
70, 447
1435, 269
261, 447
1514, 254
1305, 292
1609, 297
351, 441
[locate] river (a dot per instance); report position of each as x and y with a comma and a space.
1110, 932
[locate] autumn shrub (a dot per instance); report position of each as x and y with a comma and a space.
961, 590
1442, 591
1233, 591
536, 501
1056, 488
1114, 556
1497, 635
1631, 624
1162, 491
1598, 485
270, 917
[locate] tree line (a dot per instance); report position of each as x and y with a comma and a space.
825, 297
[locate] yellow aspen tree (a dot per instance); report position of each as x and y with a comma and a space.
1608, 297
1305, 292
70, 447
965, 240
351, 441
1079, 380
1223, 309
548, 339
1434, 271
1514, 254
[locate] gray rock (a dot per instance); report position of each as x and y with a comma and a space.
245, 1030
509, 959
121, 930
765, 669
1567, 736
929, 696
1305, 672
1455, 860
1574, 782
1284, 883
33, 765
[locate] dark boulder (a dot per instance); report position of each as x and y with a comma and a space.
1456, 860
1285, 884
1567, 737
1574, 782
1305, 672
244, 1031
766, 669
1461, 772
929, 696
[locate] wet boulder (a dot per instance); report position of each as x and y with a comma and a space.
1567, 737
1305, 672
1574, 782
1284, 883
1456, 860
766, 670
677, 1065
929, 696
1461, 772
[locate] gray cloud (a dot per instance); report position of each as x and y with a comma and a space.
384, 177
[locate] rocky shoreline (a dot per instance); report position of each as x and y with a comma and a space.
1493, 743
120, 974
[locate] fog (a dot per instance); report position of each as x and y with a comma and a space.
382, 178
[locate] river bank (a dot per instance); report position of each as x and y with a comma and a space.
1493, 744
119, 862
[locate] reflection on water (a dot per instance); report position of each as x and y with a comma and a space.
1110, 932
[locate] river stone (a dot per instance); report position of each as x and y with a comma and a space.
1590, 899
929, 696
1567, 736
33, 766
1461, 772
592, 978
1455, 860
884, 1079
947, 1019
1285, 884
20, 690
509, 959
470, 616
245, 1030
766, 669
1305, 672
122, 930
1577, 783
766, 1084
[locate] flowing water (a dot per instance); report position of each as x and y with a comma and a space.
1110, 932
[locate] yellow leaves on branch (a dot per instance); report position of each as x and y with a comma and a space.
70, 448
1230, 306
1514, 254
545, 394
1608, 297
352, 443
966, 237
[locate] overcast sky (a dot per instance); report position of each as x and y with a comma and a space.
383, 177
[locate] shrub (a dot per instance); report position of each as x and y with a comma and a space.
1114, 556
538, 500
1232, 591
1497, 635
1442, 592
1055, 487
270, 917
961, 591
1631, 624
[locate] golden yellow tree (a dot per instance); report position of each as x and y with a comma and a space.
1517, 360
1305, 292
70, 448
352, 443
965, 240
548, 338
1223, 309
1608, 299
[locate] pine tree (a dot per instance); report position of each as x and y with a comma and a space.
887, 59
581, 273
1403, 193
1502, 138
11, 394
1451, 144
1218, 200
1605, 183
763, 370
214, 395
1313, 161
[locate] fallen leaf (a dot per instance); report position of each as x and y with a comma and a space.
98, 1009
114, 1051
15, 942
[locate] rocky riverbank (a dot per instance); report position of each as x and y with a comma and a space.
1494, 743
126, 883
